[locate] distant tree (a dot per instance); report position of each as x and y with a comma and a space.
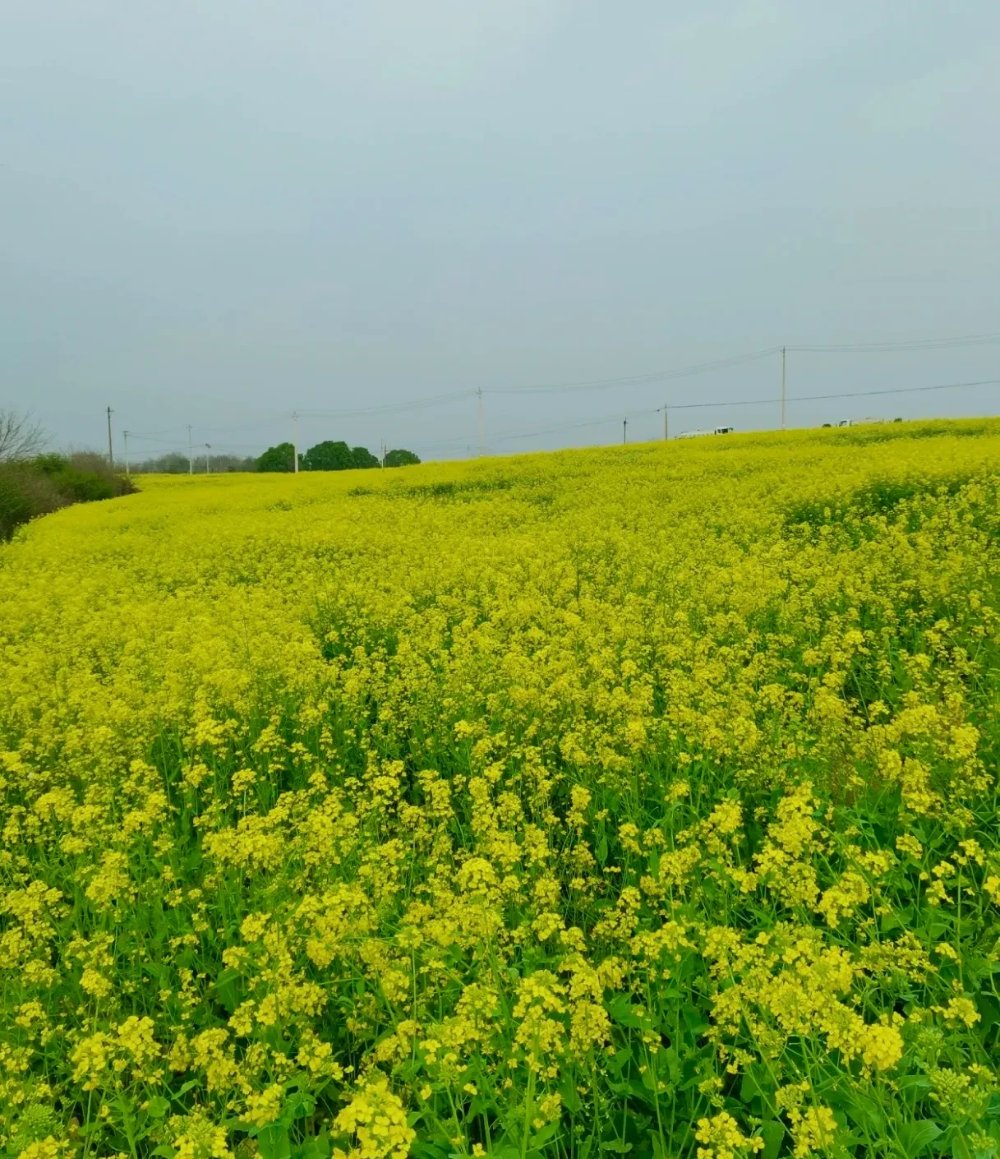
172, 463
401, 458
328, 456
20, 438
363, 457
279, 458
222, 464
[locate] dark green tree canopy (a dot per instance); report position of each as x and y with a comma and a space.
401, 458
279, 458
363, 457
328, 456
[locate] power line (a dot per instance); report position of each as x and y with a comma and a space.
722, 404
658, 376
718, 404
914, 344
691, 370
642, 379
616, 417
753, 356
898, 390
148, 438
414, 404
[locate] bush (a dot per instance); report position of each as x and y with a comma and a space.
51, 481
14, 505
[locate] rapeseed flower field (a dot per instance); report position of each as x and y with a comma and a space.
639, 801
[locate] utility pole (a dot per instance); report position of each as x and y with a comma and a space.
482, 424
190, 452
782, 388
382, 463
624, 431
666, 422
111, 451
208, 465
127, 475
295, 440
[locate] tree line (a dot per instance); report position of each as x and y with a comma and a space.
325, 456
33, 482
331, 456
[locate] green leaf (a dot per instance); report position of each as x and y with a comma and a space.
659, 1147
756, 1081
570, 1097
318, 1147
866, 1112
424, 1150
917, 1135
772, 1133
298, 1106
229, 988
540, 1138
157, 1107
619, 1061
918, 1083
694, 1020
623, 1012
274, 1143
960, 1149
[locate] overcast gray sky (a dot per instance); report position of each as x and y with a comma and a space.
218, 212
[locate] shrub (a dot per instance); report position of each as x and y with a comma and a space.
14, 505
51, 481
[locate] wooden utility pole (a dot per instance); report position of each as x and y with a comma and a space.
111, 449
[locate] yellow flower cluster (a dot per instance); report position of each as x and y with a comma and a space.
378, 1119
638, 800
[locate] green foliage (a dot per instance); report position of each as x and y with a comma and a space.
279, 458
401, 458
42, 485
452, 489
328, 456
363, 458
175, 463
15, 507
337, 456
878, 497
